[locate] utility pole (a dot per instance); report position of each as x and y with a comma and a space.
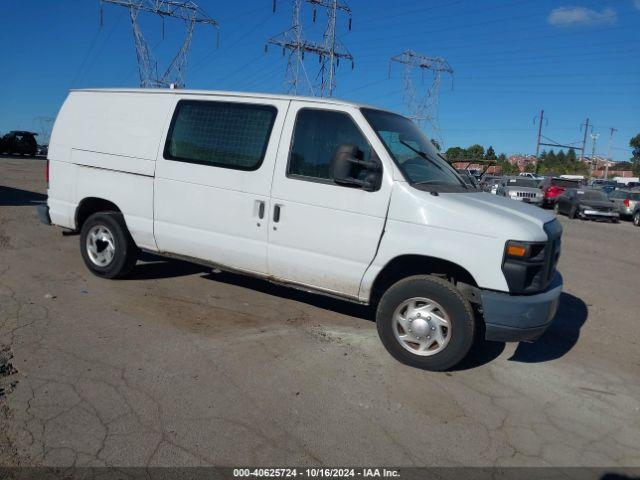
330, 51
548, 142
541, 119
584, 141
612, 130
422, 107
594, 138
187, 12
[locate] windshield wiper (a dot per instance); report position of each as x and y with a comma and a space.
422, 154
431, 160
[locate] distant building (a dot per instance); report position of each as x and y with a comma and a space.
600, 162
522, 161
613, 173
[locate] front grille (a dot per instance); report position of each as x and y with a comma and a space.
525, 195
601, 209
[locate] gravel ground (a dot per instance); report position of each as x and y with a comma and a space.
182, 366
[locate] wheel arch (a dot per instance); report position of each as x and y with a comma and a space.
90, 205
408, 265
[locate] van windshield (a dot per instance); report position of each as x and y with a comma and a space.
414, 154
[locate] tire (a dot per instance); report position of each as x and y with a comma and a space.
636, 218
399, 305
556, 209
572, 213
106, 245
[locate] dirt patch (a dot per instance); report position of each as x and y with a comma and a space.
8, 380
4, 241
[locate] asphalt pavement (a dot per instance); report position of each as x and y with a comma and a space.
182, 366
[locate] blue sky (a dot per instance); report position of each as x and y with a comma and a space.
574, 58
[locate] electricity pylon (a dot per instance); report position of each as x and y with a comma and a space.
329, 51
422, 107
186, 11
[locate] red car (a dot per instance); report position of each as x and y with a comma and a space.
553, 187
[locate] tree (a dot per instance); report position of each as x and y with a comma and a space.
454, 154
571, 155
623, 166
475, 152
491, 154
562, 158
505, 167
635, 144
530, 167
551, 157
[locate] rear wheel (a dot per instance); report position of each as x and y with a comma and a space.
425, 322
106, 245
572, 212
636, 218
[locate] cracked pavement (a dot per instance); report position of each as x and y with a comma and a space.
182, 366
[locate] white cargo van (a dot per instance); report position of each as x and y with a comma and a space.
323, 195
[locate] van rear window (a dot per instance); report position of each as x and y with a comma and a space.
221, 134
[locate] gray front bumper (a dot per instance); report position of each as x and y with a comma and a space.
517, 318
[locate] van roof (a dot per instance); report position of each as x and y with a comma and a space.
214, 93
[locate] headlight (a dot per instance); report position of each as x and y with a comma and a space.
523, 266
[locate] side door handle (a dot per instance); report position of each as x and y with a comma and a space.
261, 210
276, 213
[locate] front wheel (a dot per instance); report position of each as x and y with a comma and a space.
572, 213
425, 322
106, 245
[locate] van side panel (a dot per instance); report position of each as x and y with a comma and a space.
126, 125
104, 145
62, 193
133, 194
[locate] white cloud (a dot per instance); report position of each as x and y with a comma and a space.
566, 16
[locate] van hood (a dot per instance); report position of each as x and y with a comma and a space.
476, 213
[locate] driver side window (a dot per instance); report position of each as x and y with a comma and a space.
316, 137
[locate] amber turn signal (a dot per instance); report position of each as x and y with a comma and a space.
516, 251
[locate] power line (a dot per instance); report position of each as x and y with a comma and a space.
187, 12
422, 107
329, 51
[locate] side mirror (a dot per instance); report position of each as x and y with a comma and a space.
349, 168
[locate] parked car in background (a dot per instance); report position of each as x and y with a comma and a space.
636, 215
43, 150
599, 182
553, 187
626, 180
579, 178
633, 184
20, 142
625, 201
606, 189
523, 189
490, 183
535, 176
587, 204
